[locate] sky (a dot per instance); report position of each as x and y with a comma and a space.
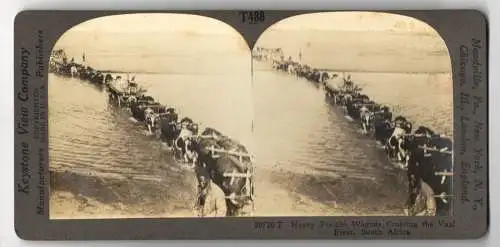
354, 21
169, 35
154, 33
156, 22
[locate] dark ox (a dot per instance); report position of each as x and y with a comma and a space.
170, 129
238, 194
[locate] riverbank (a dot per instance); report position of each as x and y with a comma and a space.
86, 193
280, 193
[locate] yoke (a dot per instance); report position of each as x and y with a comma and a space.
248, 175
240, 155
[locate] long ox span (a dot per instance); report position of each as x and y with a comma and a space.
425, 155
216, 158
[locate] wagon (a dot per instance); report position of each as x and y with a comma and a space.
122, 94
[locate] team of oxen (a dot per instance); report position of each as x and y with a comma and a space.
217, 159
424, 154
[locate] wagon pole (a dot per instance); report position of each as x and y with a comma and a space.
212, 136
443, 197
213, 149
427, 135
442, 150
445, 173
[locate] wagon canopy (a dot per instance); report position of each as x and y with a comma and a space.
334, 83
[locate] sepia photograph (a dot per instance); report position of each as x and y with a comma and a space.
174, 115
135, 102
353, 115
